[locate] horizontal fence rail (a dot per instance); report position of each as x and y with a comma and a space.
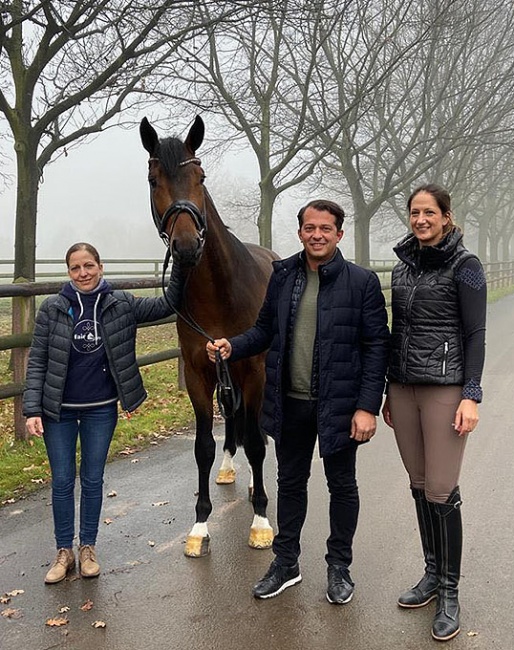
498, 274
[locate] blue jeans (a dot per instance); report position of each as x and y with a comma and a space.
95, 427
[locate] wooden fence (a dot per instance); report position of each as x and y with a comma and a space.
499, 274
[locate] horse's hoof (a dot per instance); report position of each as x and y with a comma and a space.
226, 476
260, 537
197, 546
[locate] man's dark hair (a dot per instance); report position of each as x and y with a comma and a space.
323, 205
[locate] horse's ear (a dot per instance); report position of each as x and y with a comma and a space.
195, 136
149, 136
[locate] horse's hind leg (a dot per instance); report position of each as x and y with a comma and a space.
261, 532
198, 540
227, 472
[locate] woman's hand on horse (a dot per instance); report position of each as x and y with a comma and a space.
221, 345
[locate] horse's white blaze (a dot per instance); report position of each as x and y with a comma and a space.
199, 530
227, 462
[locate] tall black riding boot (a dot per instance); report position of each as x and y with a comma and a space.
426, 589
448, 552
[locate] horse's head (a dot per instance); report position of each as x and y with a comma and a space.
177, 195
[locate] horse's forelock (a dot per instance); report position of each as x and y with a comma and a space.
171, 153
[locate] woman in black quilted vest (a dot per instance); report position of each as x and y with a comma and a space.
438, 346
81, 364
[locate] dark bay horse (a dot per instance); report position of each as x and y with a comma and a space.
225, 287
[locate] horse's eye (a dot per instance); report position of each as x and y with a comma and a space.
202, 179
152, 181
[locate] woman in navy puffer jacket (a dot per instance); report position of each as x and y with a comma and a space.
82, 361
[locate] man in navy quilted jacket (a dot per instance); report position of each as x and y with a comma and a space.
324, 324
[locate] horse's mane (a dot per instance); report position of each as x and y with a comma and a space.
170, 154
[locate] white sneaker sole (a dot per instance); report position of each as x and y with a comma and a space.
287, 584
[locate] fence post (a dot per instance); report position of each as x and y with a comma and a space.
23, 310
157, 277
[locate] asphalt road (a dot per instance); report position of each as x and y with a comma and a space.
150, 596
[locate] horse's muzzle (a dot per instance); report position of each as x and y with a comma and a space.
186, 256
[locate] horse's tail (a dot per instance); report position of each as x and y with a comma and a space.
246, 428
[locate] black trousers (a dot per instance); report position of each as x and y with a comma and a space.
294, 458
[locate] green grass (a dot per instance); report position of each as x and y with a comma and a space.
24, 465
493, 295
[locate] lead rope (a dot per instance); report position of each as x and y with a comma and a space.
228, 394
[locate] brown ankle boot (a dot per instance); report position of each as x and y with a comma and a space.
64, 562
89, 567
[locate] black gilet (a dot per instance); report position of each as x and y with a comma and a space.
426, 345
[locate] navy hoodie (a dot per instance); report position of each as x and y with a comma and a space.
89, 381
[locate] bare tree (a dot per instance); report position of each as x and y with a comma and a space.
251, 73
68, 68
430, 115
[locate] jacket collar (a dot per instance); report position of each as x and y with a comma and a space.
328, 270
409, 251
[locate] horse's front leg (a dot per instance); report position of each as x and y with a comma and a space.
227, 471
261, 532
198, 540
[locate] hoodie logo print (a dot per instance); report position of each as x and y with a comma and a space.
84, 339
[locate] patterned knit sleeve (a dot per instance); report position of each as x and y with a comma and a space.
472, 288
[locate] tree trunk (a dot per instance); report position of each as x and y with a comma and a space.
23, 311
362, 253
26, 214
483, 228
506, 240
265, 218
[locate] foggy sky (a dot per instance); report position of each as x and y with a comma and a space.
99, 193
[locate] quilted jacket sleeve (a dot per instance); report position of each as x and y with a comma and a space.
258, 338
374, 347
37, 365
147, 310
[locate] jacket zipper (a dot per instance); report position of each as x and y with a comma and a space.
445, 357
408, 326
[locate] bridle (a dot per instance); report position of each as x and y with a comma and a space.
198, 217
228, 394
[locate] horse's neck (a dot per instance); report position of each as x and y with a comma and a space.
223, 254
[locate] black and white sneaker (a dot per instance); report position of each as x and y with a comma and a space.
277, 578
340, 585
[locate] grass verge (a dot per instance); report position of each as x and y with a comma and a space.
24, 465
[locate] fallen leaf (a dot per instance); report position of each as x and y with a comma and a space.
135, 460
127, 451
57, 622
30, 468
87, 605
98, 624
107, 521
160, 503
112, 493
37, 480
63, 609
8, 501
15, 592
4, 600
11, 613
472, 633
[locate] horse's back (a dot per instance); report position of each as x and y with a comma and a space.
263, 256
